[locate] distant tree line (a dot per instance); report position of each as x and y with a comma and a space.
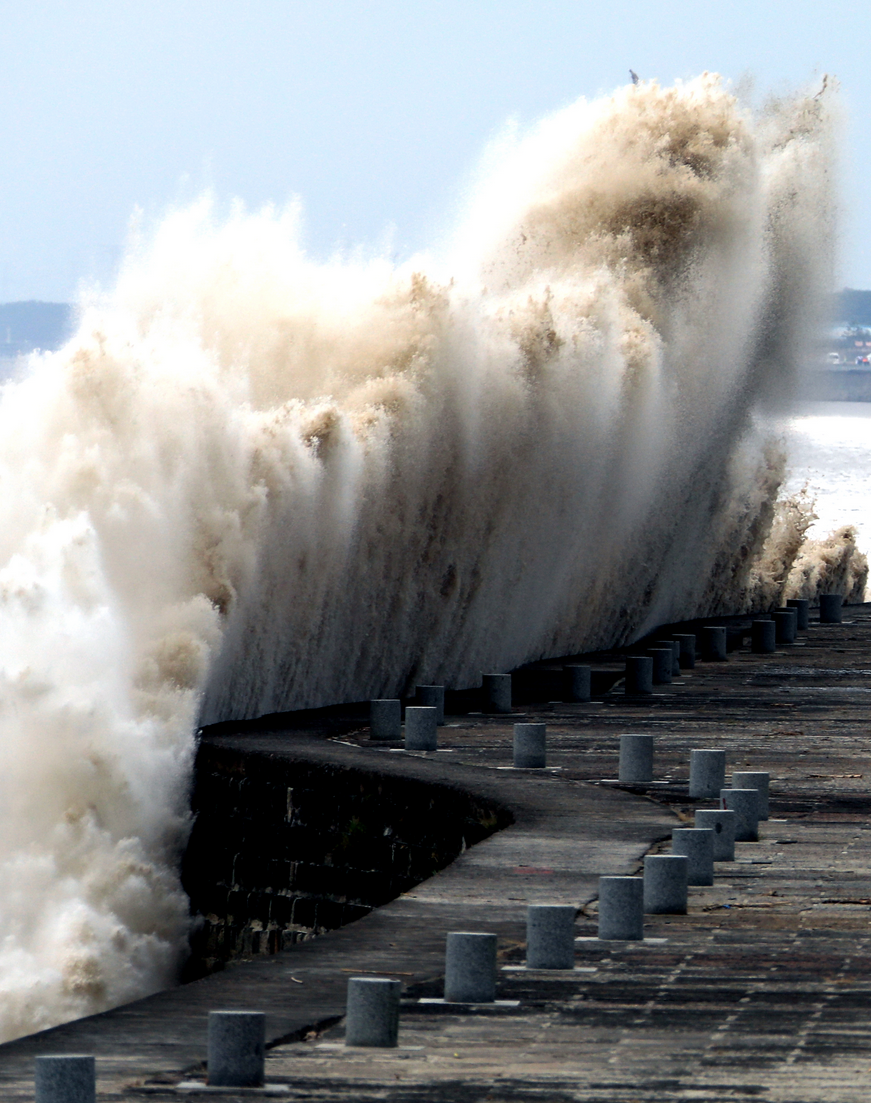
853, 308
25, 326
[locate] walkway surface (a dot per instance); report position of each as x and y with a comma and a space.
763, 989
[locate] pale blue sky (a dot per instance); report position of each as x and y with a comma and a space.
374, 113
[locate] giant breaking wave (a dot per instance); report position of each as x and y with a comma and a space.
253, 483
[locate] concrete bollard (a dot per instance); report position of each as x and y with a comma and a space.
665, 884
237, 1047
621, 908
687, 644
636, 759
663, 661
577, 682
785, 621
421, 728
550, 936
696, 844
802, 609
745, 804
675, 648
67, 1078
372, 1012
385, 719
432, 697
754, 779
714, 643
830, 608
496, 693
721, 822
470, 967
763, 637
639, 674
707, 772
530, 746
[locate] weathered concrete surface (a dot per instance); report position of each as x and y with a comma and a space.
563, 831
763, 989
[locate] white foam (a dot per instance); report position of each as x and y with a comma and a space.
252, 483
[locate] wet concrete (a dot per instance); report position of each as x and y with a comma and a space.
763, 989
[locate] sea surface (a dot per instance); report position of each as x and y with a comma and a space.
829, 447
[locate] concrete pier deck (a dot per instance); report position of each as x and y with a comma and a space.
763, 989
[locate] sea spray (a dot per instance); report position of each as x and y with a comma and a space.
254, 483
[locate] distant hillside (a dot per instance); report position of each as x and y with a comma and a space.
33, 325
853, 307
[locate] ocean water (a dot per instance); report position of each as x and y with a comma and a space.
252, 482
829, 449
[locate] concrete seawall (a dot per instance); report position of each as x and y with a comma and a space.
286, 847
762, 989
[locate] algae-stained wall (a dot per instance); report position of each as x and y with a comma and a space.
283, 849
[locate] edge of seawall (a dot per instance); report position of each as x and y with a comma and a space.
562, 822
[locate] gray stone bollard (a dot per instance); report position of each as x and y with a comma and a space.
621, 908
785, 621
687, 644
421, 728
237, 1047
745, 804
721, 822
577, 682
67, 1078
675, 648
707, 772
636, 759
385, 719
665, 884
372, 1012
830, 608
496, 693
754, 779
792, 612
470, 967
432, 697
550, 936
763, 637
714, 643
639, 674
663, 661
696, 844
802, 609
530, 746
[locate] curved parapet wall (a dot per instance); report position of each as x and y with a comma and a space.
285, 848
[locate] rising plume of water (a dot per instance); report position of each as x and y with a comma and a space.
253, 483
